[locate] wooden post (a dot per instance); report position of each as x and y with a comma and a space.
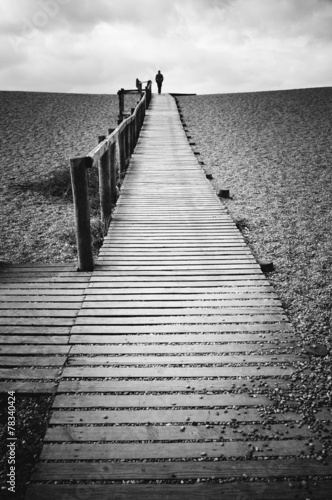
128, 139
121, 105
122, 153
79, 181
139, 118
133, 132
104, 185
112, 167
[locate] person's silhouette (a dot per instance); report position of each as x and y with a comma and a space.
159, 80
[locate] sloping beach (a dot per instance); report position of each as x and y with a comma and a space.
39, 133
273, 150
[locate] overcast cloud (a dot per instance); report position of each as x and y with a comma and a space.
201, 46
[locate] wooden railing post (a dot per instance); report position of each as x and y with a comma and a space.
112, 167
121, 105
122, 153
127, 139
104, 185
80, 187
134, 134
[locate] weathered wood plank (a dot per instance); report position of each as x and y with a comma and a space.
49, 300
104, 310
177, 328
32, 360
219, 337
35, 330
182, 470
170, 372
180, 360
31, 305
145, 348
28, 387
175, 433
33, 339
234, 491
158, 320
236, 290
154, 400
209, 385
31, 350
29, 373
111, 451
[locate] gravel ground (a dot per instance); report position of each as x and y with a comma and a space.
32, 416
39, 133
273, 150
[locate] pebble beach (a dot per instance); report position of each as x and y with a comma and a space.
272, 150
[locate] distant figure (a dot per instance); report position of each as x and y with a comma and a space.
159, 80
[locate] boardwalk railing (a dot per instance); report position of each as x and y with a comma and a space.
110, 157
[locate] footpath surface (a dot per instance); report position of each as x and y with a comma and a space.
178, 354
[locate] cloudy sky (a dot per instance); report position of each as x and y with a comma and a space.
201, 46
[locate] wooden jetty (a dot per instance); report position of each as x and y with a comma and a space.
168, 357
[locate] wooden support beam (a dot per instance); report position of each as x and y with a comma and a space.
104, 172
79, 179
112, 167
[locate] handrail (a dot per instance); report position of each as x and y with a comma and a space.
111, 157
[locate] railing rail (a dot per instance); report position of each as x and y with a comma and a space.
110, 156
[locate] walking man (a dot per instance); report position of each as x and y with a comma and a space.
159, 80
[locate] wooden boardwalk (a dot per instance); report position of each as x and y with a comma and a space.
176, 353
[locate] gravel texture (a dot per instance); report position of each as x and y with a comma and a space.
273, 150
32, 416
39, 133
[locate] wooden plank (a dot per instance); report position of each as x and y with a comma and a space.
106, 261
146, 269
111, 451
185, 338
164, 416
28, 387
145, 348
34, 321
45, 294
175, 433
175, 329
247, 298
40, 285
181, 470
34, 330
29, 373
170, 372
31, 305
236, 290
234, 491
179, 360
104, 310
47, 299
32, 360
33, 339
155, 401
39, 280
162, 320
38, 313
176, 281
209, 385
31, 350
116, 266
